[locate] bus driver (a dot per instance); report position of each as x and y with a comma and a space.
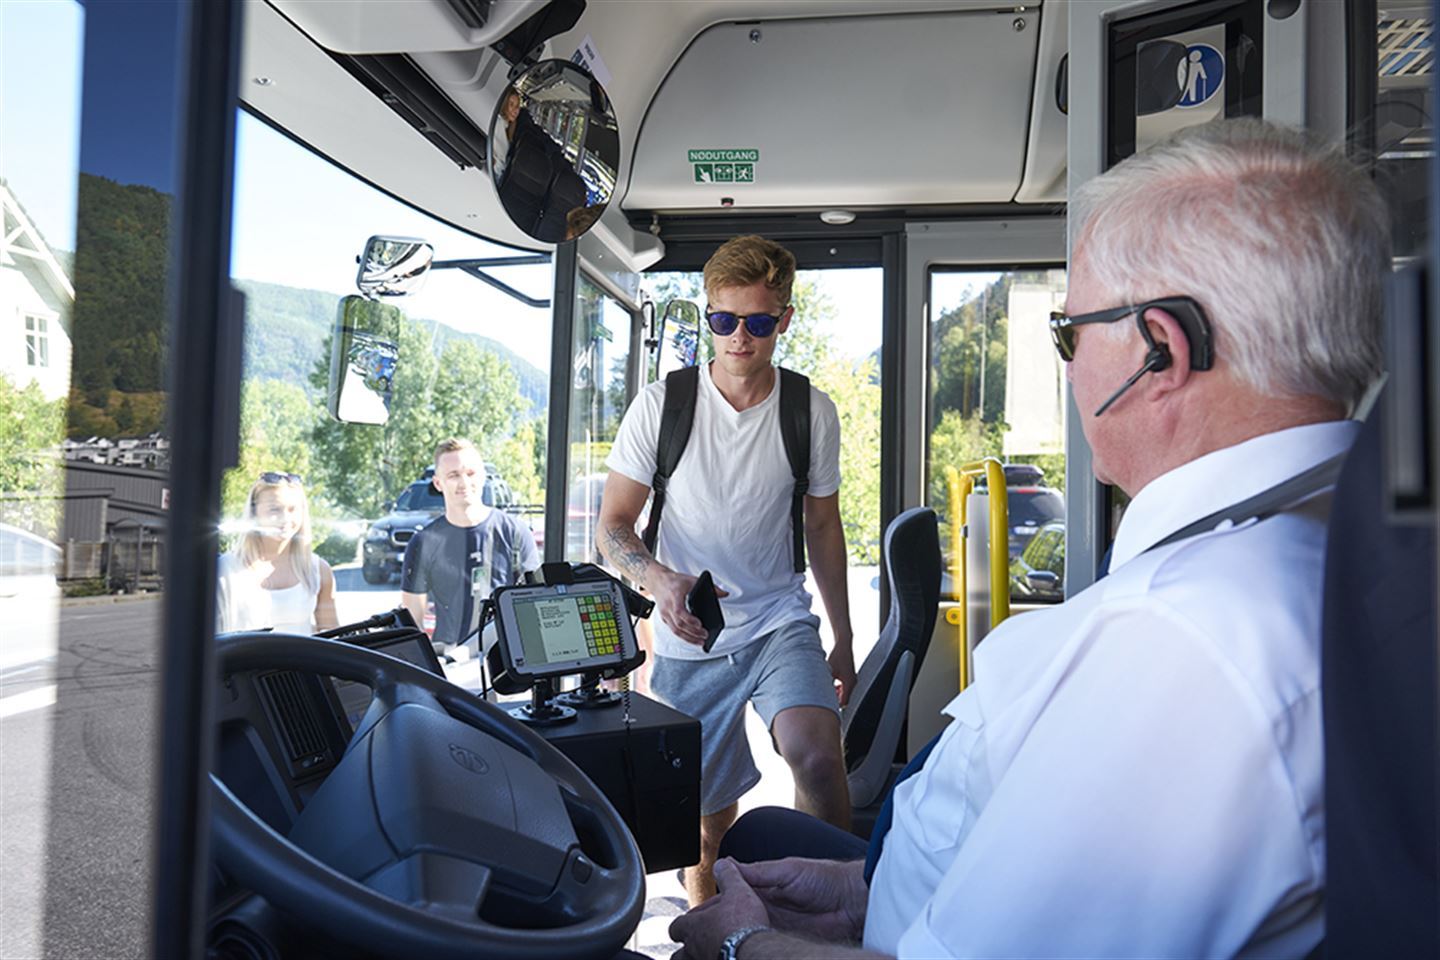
1139, 771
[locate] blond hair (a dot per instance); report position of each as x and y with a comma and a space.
248, 549
751, 259
452, 445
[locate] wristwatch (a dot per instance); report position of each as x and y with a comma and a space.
730, 948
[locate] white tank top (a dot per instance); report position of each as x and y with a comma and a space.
244, 604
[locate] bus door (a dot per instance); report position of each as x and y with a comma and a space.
985, 382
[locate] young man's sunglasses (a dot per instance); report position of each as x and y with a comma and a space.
760, 325
270, 476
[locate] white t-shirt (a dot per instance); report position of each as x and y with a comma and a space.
727, 507
1139, 771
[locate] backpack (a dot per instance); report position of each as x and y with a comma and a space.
678, 416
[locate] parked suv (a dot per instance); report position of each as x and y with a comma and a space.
417, 505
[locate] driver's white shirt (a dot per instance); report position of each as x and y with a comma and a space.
1139, 771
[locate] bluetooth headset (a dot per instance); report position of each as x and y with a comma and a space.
1193, 324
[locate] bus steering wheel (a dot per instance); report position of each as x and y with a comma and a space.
447, 829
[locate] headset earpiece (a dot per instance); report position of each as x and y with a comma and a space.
1158, 358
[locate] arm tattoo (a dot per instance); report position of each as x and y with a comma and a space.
627, 552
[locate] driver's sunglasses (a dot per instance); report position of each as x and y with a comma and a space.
270, 476
1062, 327
759, 325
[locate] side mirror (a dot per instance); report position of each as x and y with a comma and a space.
554, 151
364, 359
393, 266
1042, 578
1161, 70
678, 339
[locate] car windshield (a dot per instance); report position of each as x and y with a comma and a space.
420, 496
1035, 506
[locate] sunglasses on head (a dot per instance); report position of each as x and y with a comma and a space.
270, 476
759, 325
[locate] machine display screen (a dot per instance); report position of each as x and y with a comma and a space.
355, 697
559, 629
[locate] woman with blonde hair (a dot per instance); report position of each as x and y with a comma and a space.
271, 578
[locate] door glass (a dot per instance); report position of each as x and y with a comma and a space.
473, 362
87, 186
997, 389
601, 358
1404, 124
834, 339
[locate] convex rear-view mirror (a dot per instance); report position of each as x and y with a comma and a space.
554, 150
678, 338
393, 266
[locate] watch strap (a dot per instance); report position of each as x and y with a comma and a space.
730, 947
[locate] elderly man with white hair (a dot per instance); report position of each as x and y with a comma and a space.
1139, 771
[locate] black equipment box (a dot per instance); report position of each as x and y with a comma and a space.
650, 772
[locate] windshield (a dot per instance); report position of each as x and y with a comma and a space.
420, 496
471, 362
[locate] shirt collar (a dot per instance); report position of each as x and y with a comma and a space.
1223, 478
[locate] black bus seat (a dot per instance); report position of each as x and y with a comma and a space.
1378, 689
872, 724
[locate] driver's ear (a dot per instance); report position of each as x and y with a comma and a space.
1169, 335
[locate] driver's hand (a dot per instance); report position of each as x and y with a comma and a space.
670, 590
823, 899
736, 906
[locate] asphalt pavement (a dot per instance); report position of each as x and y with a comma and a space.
76, 782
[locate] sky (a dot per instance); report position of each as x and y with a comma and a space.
40, 56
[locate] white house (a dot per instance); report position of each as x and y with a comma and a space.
36, 303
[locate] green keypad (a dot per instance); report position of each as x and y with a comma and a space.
602, 633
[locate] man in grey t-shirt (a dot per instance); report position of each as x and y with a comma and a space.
460, 557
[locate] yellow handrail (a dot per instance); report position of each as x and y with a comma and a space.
960, 482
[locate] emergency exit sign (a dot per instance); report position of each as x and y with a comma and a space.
724, 165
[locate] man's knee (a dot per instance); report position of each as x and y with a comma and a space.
809, 740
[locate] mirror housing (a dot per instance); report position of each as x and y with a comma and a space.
364, 358
393, 266
554, 151
1043, 578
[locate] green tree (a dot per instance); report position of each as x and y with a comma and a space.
276, 422
31, 478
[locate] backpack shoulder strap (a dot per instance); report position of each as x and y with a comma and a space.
795, 431
676, 419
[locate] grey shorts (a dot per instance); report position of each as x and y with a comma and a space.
785, 668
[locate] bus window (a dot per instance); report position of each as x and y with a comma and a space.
835, 341
997, 389
473, 362
601, 357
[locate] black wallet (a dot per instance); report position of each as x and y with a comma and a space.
706, 607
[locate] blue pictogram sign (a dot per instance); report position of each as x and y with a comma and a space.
1201, 74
